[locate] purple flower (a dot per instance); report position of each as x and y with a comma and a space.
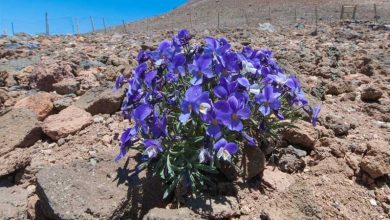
219, 47
125, 140
225, 88
159, 126
231, 112
268, 100
250, 140
244, 82
177, 65
199, 68
296, 92
140, 114
194, 101
225, 149
118, 82
231, 61
214, 128
314, 117
142, 57
181, 39
204, 155
279, 79
152, 148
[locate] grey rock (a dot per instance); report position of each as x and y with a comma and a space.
101, 99
14, 161
63, 102
66, 86
19, 64
337, 124
291, 163
86, 64
171, 214
371, 94
219, 207
298, 152
12, 135
105, 190
13, 202
267, 27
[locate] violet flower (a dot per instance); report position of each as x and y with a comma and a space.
314, 117
152, 148
200, 67
268, 100
194, 98
204, 155
225, 149
231, 112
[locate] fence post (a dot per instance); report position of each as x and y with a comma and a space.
246, 18
13, 30
47, 24
269, 13
354, 13
375, 15
342, 12
295, 15
104, 25
124, 26
316, 15
218, 20
77, 25
92, 24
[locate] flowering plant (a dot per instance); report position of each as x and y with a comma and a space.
193, 106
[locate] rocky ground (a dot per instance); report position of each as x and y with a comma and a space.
60, 122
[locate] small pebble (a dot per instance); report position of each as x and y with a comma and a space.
373, 202
98, 119
61, 141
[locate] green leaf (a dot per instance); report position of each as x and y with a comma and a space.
206, 168
171, 187
198, 139
171, 172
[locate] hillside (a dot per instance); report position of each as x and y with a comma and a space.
203, 14
61, 123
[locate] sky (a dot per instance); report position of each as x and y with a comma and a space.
63, 15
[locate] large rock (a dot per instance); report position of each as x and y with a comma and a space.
303, 135
377, 160
67, 86
13, 202
46, 74
40, 103
254, 162
101, 99
280, 181
13, 161
371, 94
18, 128
171, 214
337, 124
68, 121
219, 207
101, 191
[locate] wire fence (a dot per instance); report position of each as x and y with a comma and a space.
223, 17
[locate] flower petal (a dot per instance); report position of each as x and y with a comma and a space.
232, 148
244, 113
220, 144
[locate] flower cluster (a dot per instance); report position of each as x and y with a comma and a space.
192, 104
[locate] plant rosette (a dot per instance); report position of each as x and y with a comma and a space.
194, 106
